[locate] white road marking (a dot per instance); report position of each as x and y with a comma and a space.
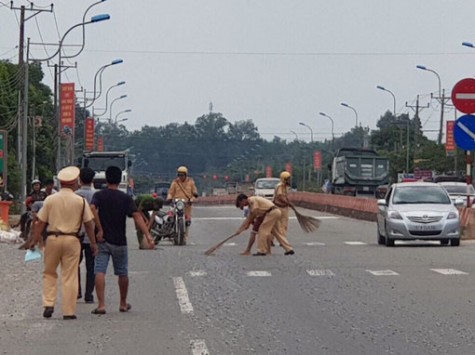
198, 347
449, 272
230, 244
383, 272
259, 273
182, 295
197, 273
311, 244
320, 272
242, 217
139, 273
356, 243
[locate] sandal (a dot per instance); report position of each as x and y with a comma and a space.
98, 311
128, 308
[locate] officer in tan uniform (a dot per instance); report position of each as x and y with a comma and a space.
63, 213
260, 206
183, 187
281, 200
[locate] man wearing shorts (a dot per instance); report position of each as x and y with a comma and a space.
111, 207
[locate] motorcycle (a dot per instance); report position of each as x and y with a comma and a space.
171, 224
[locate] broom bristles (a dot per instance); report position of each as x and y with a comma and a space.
220, 244
308, 224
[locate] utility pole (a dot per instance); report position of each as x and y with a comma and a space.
417, 108
22, 125
442, 100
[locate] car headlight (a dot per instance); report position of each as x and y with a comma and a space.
394, 215
180, 205
452, 215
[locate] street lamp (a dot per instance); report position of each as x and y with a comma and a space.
121, 120
99, 72
110, 107
107, 98
394, 97
94, 19
124, 111
352, 108
442, 100
311, 132
333, 126
296, 136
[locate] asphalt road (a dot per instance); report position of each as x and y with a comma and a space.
340, 293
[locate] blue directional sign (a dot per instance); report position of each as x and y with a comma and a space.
464, 132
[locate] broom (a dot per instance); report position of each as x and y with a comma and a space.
220, 244
307, 223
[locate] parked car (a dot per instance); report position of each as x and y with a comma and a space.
418, 211
265, 187
459, 191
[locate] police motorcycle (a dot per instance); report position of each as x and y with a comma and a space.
171, 224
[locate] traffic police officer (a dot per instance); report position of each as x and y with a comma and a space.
281, 200
63, 213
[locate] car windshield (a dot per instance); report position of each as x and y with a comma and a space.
459, 189
420, 194
266, 184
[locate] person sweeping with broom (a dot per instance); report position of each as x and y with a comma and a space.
260, 206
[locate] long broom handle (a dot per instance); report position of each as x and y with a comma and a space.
214, 248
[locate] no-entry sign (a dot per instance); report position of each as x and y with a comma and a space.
463, 95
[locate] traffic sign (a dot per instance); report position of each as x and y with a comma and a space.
464, 132
463, 95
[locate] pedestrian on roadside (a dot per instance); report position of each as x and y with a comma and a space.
63, 214
86, 190
260, 206
111, 207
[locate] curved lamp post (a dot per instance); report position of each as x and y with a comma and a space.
112, 103
121, 112
351, 108
333, 126
99, 72
107, 98
311, 132
296, 136
394, 97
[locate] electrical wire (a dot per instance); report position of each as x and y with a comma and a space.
44, 47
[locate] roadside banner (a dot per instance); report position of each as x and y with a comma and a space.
269, 171
288, 167
89, 127
317, 160
68, 100
100, 144
450, 146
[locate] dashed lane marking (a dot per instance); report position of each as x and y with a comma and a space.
356, 243
320, 273
197, 273
312, 244
259, 273
230, 244
198, 347
449, 272
182, 295
383, 272
241, 218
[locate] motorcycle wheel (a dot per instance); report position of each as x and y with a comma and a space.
181, 231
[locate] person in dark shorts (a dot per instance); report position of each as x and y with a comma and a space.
111, 207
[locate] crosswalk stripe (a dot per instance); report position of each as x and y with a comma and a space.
449, 272
356, 243
197, 273
320, 272
198, 347
259, 273
182, 295
383, 272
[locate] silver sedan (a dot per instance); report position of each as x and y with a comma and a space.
418, 210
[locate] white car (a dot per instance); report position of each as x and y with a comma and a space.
418, 210
265, 187
459, 191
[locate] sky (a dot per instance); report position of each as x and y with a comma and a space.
275, 62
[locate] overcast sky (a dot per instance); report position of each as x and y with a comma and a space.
273, 61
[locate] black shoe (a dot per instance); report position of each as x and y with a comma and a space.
69, 317
259, 254
48, 312
89, 300
290, 252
